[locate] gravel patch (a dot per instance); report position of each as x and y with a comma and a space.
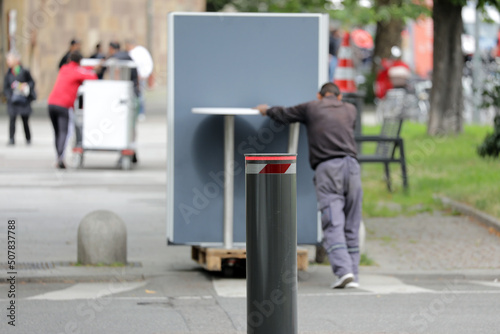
437, 241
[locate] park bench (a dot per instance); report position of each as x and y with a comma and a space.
388, 143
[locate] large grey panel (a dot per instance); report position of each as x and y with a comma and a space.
235, 61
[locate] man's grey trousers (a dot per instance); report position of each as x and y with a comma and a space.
339, 192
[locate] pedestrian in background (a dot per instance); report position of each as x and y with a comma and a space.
115, 52
332, 155
74, 45
62, 99
19, 89
333, 50
98, 54
142, 58
496, 50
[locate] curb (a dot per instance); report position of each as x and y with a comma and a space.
76, 279
470, 211
63, 274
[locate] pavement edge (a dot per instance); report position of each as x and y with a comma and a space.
465, 209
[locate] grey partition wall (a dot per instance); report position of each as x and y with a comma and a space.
236, 61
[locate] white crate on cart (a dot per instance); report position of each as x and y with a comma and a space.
107, 120
108, 115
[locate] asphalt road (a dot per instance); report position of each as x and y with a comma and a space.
194, 302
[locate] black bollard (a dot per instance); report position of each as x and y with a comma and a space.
271, 226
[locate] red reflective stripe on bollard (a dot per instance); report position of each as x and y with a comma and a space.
271, 168
275, 169
271, 158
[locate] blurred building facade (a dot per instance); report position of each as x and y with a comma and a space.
41, 30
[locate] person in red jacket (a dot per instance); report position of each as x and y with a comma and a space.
497, 51
62, 99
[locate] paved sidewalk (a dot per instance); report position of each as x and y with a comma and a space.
31, 189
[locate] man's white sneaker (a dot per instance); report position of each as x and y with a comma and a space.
352, 285
343, 281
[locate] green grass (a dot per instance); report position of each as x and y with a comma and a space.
387, 239
447, 166
365, 260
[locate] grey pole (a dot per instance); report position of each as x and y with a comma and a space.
476, 72
228, 180
271, 241
293, 137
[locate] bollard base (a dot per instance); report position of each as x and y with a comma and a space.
211, 258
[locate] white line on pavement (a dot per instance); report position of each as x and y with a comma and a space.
494, 284
89, 291
437, 292
339, 293
378, 284
370, 285
231, 288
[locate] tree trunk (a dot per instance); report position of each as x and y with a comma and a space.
446, 97
388, 34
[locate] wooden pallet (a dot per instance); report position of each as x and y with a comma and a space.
211, 258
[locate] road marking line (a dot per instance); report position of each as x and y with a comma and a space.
230, 288
193, 297
139, 298
89, 291
378, 284
340, 293
356, 292
495, 284
370, 285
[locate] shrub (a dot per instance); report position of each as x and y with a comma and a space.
491, 145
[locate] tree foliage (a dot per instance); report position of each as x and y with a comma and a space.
274, 6
350, 12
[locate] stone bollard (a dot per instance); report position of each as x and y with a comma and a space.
102, 238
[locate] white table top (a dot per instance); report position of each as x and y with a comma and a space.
225, 111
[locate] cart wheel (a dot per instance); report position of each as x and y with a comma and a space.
77, 160
228, 271
126, 162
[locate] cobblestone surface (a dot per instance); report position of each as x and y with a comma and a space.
437, 241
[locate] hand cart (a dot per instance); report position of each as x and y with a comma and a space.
105, 117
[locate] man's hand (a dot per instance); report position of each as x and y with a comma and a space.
99, 66
262, 108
